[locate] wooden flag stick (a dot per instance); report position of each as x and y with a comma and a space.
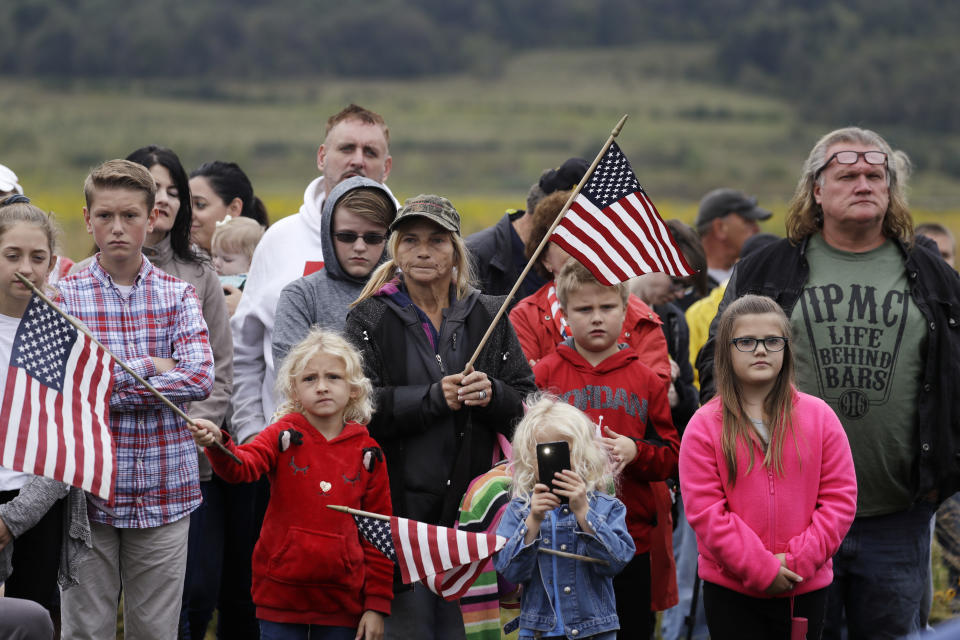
546, 239
378, 516
79, 327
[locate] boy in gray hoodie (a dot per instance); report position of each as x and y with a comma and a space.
354, 224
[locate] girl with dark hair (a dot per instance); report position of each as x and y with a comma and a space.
220, 189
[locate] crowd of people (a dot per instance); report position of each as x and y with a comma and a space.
757, 450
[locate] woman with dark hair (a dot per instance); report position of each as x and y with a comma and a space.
173, 202
220, 189
169, 248
417, 321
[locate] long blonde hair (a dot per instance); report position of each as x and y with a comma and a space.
588, 457
804, 215
332, 344
463, 272
778, 405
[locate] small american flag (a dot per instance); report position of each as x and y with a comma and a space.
613, 229
446, 560
54, 420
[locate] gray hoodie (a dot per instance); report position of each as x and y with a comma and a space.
321, 298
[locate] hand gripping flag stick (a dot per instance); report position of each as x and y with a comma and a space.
149, 387
545, 241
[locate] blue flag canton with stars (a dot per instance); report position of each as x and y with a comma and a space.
377, 533
611, 180
43, 343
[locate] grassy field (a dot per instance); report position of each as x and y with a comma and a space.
479, 140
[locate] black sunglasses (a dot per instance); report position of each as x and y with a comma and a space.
851, 157
349, 237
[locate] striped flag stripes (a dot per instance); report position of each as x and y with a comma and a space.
613, 228
54, 419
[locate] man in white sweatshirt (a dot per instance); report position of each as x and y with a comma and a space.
356, 144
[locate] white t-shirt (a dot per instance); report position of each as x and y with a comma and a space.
9, 480
761, 430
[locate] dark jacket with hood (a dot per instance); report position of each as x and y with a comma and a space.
323, 297
432, 451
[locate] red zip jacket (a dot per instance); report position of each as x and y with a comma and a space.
626, 395
804, 513
309, 565
539, 337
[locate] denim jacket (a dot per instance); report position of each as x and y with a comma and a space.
586, 589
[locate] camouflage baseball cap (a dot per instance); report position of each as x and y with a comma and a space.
435, 208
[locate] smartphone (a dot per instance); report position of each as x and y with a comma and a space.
552, 457
234, 280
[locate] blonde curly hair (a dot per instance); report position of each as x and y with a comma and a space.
588, 457
330, 343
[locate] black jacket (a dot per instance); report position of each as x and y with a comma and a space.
433, 452
491, 253
677, 333
780, 272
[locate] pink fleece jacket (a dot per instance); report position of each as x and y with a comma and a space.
804, 513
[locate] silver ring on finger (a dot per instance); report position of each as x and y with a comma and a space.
483, 394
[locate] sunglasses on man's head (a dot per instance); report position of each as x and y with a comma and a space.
349, 237
851, 157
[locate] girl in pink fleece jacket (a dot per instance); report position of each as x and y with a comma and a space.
767, 481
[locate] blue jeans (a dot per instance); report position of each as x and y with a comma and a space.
287, 631
880, 575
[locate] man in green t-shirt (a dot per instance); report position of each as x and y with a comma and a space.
876, 334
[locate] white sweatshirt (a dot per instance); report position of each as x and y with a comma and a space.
290, 248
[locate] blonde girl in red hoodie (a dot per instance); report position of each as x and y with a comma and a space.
768, 483
313, 577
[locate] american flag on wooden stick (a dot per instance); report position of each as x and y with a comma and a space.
614, 230
446, 560
54, 420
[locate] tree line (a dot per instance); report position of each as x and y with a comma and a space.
880, 61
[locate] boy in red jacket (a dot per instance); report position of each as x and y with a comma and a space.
629, 402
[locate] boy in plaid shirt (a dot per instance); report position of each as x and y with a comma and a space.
153, 322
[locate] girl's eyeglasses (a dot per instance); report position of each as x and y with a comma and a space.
749, 345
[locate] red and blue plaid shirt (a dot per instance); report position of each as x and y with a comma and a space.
157, 478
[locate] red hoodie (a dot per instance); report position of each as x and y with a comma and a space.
309, 565
626, 395
538, 334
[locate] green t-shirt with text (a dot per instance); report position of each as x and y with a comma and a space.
857, 339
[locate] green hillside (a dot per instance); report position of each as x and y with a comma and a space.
481, 139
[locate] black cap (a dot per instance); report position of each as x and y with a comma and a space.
721, 202
565, 177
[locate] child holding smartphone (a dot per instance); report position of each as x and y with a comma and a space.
768, 483
563, 597
597, 373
